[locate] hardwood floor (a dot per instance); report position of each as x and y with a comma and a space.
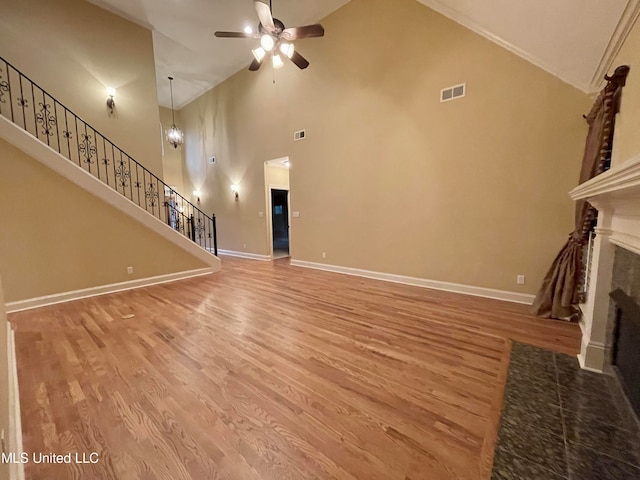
267, 371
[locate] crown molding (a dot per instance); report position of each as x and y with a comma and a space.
627, 21
465, 21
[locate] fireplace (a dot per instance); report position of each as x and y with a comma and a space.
626, 346
616, 196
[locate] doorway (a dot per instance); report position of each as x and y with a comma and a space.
280, 222
278, 207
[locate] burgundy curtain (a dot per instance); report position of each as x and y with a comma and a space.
559, 293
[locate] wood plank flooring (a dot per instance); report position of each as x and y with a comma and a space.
267, 371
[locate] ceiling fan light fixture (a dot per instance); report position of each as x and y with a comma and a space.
277, 61
287, 49
267, 42
259, 53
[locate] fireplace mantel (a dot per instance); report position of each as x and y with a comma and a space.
616, 196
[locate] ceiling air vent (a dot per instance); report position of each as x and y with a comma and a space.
300, 135
451, 93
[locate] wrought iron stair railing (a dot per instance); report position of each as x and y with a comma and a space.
30, 107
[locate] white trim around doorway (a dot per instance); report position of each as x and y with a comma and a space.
270, 220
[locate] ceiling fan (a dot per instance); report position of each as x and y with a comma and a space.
275, 39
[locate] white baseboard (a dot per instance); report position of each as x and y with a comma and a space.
423, 282
592, 356
16, 470
251, 256
104, 289
583, 366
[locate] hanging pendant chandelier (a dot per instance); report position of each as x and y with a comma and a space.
175, 137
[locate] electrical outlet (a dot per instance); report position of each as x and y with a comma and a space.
520, 279
129, 270
244, 245
324, 254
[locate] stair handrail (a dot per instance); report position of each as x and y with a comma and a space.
199, 226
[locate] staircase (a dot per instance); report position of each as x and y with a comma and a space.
35, 111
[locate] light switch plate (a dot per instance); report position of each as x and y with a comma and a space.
296, 214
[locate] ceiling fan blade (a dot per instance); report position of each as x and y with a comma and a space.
299, 60
264, 14
309, 31
255, 65
232, 35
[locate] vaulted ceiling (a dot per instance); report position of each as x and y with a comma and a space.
567, 38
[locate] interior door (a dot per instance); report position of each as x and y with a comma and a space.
280, 222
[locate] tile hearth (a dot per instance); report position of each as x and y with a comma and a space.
563, 423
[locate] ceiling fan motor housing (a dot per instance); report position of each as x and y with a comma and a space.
279, 28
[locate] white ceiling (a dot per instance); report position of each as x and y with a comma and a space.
186, 48
565, 37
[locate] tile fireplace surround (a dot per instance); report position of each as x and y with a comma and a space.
616, 195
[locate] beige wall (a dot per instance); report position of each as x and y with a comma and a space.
74, 50
626, 144
389, 179
276, 176
4, 381
171, 157
60, 238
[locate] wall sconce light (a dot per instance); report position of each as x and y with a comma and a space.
236, 191
196, 193
111, 102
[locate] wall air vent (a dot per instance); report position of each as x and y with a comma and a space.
451, 93
300, 135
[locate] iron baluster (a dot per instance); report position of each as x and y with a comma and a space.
95, 139
76, 139
105, 160
23, 103
215, 235
87, 155
66, 131
138, 186
144, 182
10, 91
35, 121
55, 110
4, 88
